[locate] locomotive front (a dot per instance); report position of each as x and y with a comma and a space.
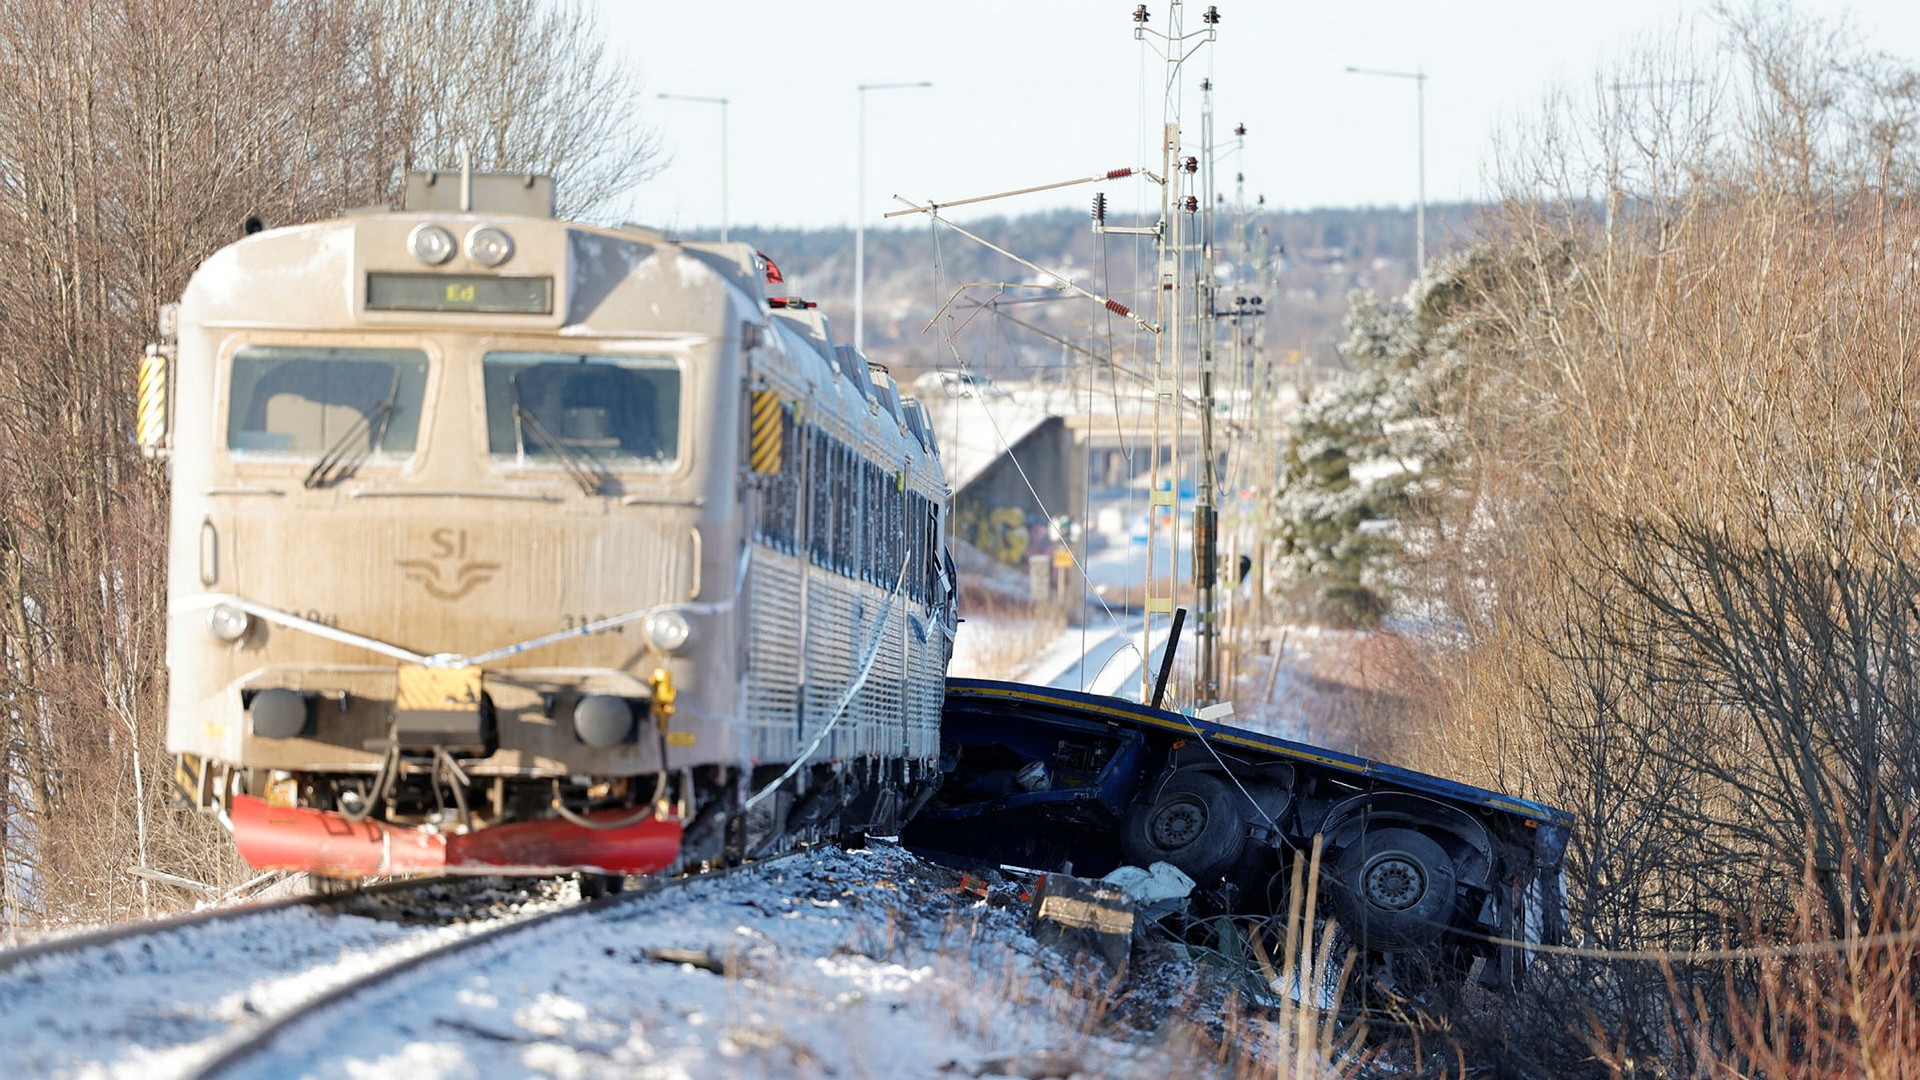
452, 557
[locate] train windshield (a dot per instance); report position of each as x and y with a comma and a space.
313, 402
622, 412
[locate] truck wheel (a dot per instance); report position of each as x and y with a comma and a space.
1194, 823
1394, 889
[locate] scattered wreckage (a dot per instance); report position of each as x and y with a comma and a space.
1414, 866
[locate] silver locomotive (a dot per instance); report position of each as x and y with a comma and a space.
503, 543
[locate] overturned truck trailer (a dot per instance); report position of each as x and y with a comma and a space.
1415, 867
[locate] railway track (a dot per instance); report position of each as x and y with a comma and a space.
106, 936
162, 998
848, 962
251, 1054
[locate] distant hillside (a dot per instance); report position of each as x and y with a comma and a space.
1302, 264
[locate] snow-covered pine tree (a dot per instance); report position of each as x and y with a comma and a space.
1365, 444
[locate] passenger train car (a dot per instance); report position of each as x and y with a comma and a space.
504, 543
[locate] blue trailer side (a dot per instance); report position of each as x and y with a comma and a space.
1414, 864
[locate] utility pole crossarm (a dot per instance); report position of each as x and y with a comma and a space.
1110, 174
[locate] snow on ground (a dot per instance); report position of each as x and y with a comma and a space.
971, 642
156, 1005
1064, 653
864, 963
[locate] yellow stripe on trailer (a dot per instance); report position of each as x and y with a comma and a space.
769, 424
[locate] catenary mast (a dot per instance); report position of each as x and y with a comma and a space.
1163, 494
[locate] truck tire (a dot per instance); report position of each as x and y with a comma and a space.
1194, 823
1394, 890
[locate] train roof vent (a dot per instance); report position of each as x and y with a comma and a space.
455, 191
916, 417
854, 367
933, 437
885, 388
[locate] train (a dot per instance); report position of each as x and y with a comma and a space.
501, 543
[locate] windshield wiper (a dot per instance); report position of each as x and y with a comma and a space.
334, 465
581, 466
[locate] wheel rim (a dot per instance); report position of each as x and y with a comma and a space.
1393, 882
1177, 824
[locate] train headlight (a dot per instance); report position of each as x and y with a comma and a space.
228, 623
278, 714
431, 244
668, 630
489, 246
603, 720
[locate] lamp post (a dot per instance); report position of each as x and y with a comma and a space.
860, 213
722, 102
1419, 77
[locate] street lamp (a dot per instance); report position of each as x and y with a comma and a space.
860, 213
1419, 77
722, 102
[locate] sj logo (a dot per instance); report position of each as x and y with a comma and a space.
447, 572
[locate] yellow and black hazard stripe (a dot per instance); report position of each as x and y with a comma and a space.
150, 419
769, 424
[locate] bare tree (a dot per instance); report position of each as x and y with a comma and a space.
1686, 574
485, 80
134, 139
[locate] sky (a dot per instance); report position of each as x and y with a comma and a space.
1032, 92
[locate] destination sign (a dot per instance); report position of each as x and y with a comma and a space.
460, 292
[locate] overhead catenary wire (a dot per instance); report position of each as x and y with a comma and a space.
1115, 306
949, 333
1000, 438
1166, 375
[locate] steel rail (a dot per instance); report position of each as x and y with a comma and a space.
109, 935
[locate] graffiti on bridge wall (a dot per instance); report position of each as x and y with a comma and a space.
1001, 531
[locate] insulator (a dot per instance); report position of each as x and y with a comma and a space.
1119, 174
1193, 203
1140, 14
1099, 206
1206, 84
1193, 164
1212, 16
1118, 308
1240, 129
